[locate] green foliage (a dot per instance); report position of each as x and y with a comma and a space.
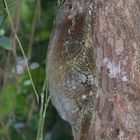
8, 96
5, 42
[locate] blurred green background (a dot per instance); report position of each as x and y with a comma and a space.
19, 113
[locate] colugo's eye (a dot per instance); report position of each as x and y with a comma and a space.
70, 5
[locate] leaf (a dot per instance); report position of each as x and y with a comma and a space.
1, 20
2, 32
5, 43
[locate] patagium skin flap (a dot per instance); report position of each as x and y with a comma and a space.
70, 65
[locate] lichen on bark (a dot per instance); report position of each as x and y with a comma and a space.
117, 45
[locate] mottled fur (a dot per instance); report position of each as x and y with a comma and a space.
71, 65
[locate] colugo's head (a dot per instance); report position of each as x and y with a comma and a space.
69, 11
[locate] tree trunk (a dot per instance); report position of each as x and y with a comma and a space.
94, 68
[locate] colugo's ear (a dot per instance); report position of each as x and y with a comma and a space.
61, 3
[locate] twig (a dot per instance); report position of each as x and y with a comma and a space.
36, 17
14, 41
44, 104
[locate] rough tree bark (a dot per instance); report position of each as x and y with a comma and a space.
94, 68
